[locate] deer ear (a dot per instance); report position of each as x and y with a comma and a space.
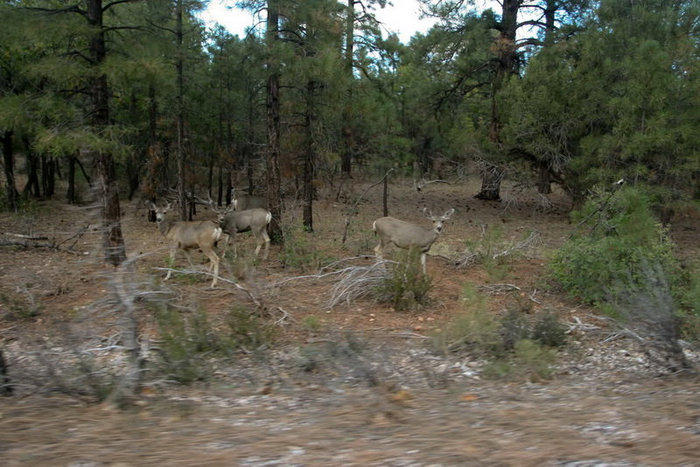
448, 213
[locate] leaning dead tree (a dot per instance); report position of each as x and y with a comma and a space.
353, 210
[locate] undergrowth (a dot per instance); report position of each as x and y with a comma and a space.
514, 345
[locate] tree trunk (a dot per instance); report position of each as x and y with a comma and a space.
544, 179
179, 69
5, 386
491, 177
348, 144
70, 193
274, 200
48, 176
308, 177
115, 251
8, 158
506, 65
385, 196
32, 186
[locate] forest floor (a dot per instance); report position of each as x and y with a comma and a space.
353, 384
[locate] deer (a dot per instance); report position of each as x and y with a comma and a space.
255, 220
185, 235
409, 236
244, 202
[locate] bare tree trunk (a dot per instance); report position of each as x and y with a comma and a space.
308, 177
70, 193
274, 200
505, 66
180, 153
5, 386
385, 196
32, 187
346, 157
115, 250
8, 158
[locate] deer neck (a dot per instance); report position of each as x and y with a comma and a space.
164, 226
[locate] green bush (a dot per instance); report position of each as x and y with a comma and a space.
300, 251
405, 287
511, 344
188, 340
548, 330
622, 260
476, 329
616, 236
529, 360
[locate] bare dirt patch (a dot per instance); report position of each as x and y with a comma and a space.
361, 387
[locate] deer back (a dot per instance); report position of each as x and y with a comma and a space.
242, 221
193, 234
245, 202
404, 234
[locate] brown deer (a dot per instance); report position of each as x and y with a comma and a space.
244, 202
408, 236
186, 235
254, 220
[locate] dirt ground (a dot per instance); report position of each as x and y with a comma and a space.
354, 384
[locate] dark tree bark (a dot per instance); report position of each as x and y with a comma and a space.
70, 192
48, 175
274, 200
8, 158
308, 175
506, 65
5, 386
348, 144
113, 240
32, 187
180, 109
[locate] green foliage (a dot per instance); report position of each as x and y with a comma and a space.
188, 340
513, 345
475, 330
495, 253
23, 307
300, 251
548, 330
311, 324
344, 351
405, 287
616, 236
529, 360
247, 330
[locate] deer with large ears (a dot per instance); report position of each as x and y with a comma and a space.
185, 235
409, 236
254, 220
242, 202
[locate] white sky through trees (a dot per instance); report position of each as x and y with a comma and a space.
402, 18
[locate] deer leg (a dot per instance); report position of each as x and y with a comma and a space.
422, 262
258, 244
171, 263
225, 248
213, 263
266, 239
378, 250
